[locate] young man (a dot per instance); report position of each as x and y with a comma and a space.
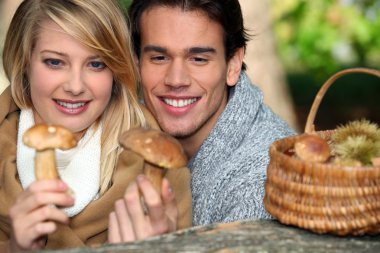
190, 56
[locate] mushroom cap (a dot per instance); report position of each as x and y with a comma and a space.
46, 136
310, 147
155, 147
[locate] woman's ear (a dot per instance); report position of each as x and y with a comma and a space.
234, 66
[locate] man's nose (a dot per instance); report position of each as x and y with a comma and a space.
177, 74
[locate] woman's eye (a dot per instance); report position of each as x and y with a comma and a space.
53, 62
97, 65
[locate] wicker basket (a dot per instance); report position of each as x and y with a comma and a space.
323, 198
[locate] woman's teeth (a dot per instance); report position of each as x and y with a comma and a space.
71, 105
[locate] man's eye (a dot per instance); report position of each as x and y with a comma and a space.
158, 58
97, 65
199, 60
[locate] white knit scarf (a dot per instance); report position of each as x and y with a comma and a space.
78, 167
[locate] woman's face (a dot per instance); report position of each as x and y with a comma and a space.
69, 83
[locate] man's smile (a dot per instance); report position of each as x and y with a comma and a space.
179, 102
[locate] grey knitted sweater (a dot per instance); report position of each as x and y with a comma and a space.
229, 170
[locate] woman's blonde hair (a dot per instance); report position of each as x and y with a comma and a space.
101, 26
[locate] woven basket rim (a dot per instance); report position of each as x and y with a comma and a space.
275, 151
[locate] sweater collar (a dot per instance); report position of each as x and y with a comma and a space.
237, 118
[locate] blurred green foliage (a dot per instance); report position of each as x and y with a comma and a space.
318, 38
324, 36
125, 3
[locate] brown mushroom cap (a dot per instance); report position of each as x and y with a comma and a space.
310, 147
155, 146
44, 136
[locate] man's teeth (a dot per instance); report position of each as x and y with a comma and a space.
70, 105
179, 102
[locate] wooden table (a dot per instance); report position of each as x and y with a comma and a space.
246, 236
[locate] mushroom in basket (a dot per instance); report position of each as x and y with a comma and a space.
45, 138
310, 147
159, 150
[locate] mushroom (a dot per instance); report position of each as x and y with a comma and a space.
159, 150
45, 138
310, 147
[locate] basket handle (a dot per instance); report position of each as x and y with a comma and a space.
309, 128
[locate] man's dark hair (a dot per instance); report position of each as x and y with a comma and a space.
225, 12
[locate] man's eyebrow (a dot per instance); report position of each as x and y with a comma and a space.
151, 48
200, 50
192, 50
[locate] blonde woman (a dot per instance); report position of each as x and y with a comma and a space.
70, 63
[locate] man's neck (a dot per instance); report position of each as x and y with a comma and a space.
193, 142
191, 145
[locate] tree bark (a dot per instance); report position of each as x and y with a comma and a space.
264, 66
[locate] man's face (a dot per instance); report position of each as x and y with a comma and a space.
184, 71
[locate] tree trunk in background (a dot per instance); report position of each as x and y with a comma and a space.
264, 66
7, 9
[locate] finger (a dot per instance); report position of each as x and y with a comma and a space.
48, 185
37, 217
168, 196
29, 230
44, 186
124, 221
113, 229
37, 200
151, 197
170, 204
33, 238
31, 198
158, 221
40, 230
138, 220
49, 213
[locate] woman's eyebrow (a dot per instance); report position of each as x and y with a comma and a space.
53, 52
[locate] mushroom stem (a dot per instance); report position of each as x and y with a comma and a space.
155, 175
45, 164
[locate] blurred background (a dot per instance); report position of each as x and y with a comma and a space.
296, 46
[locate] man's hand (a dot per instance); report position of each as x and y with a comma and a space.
142, 213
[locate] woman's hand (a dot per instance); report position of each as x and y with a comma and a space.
142, 213
34, 214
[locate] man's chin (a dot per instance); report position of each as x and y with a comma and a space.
178, 133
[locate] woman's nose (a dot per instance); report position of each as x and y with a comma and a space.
75, 83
